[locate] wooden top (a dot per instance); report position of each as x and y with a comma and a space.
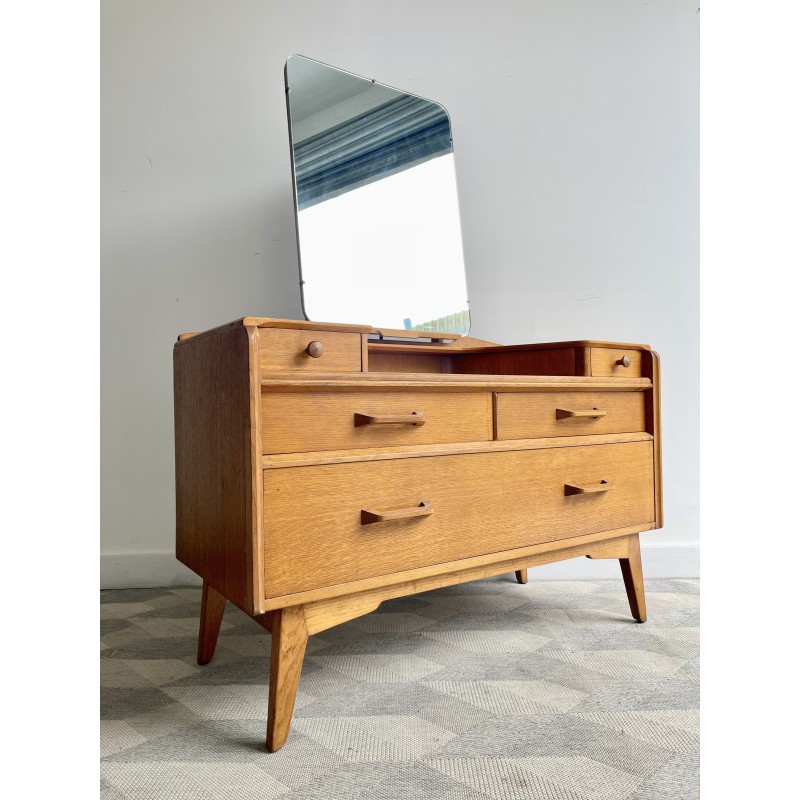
440, 341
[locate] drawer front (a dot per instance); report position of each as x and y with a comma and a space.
607, 362
332, 524
313, 421
529, 416
282, 350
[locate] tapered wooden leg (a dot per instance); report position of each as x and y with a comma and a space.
211, 610
289, 637
634, 581
522, 575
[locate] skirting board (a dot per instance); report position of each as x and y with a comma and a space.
149, 570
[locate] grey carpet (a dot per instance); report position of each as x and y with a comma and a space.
483, 690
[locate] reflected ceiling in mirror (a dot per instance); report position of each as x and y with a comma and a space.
378, 228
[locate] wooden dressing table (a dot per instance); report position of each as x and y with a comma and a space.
322, 469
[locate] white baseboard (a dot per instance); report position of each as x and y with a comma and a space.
144, 571
149, 570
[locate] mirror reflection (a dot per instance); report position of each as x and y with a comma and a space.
379, 234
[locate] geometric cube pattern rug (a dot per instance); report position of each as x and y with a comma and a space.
486, 690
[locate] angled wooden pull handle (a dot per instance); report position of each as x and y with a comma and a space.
592, 488
414, 418
369, 515
593, 413
623, 362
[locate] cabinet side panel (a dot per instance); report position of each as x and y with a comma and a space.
213, 483
651, 368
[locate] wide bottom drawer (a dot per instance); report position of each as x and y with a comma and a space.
337, 523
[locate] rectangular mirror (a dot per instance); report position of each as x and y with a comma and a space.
378, 229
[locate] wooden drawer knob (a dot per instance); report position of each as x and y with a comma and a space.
623, 362
315, 349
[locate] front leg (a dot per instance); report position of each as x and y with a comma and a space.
522, 575
634, 580
630, 560
289, 637
212, 608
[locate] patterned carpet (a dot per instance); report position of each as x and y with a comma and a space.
483, 690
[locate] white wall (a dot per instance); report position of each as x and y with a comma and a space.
576, 134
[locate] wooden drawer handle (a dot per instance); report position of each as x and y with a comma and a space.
369, 515
414, 418
623, 362
592, 488
565, 413
315, 349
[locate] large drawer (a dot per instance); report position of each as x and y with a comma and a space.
521, 415
333, 523
303, 422
282, 349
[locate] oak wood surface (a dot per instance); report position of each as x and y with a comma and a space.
370, 381
401, 333
308, 421
289, 637
314, 536
283, 349
469, 344
254, 545
628, 551
410, 363
432, 576
283, 460
304, 519
652, 370
521, 575
399, 343
605, 362
325, 610
634, 580
534, 361
532, 415
212, 608
215, 525
304, 325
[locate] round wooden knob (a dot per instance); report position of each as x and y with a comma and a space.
624, 361
315, 349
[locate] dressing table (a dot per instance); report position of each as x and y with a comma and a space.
323, 468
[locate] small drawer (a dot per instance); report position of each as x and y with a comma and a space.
283, 350
530, 416
313, 421
607, 362
336, 523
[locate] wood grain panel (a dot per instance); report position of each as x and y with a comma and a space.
604, 363
281, 350
285, 460
559, 361
651, 368
485, 502
213, 461
369, 381
528, 416
358, 598
312, 421
409, 362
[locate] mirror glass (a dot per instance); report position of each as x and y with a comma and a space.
378, 229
